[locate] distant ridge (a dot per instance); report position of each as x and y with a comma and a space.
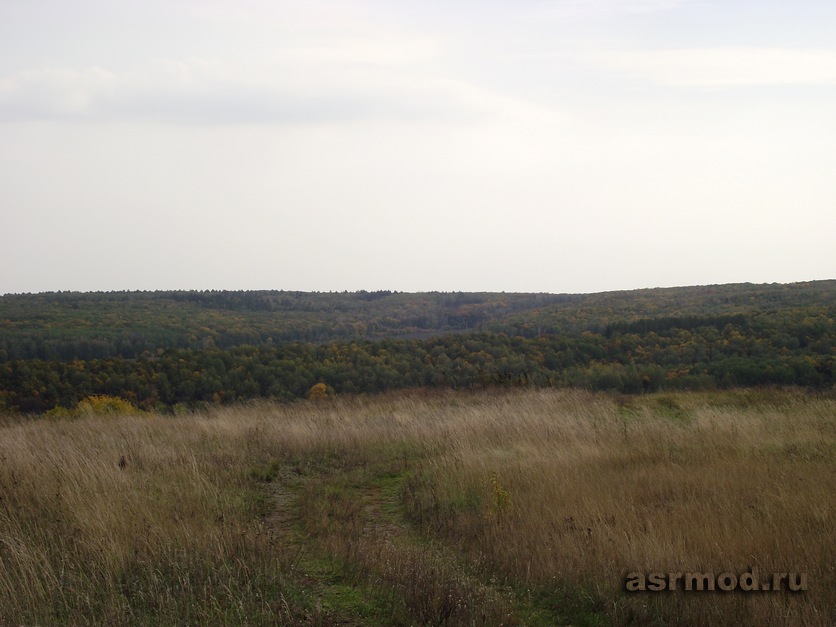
184, 347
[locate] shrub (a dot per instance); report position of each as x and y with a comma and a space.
319, 391
104, 405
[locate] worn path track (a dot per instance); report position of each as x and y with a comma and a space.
354, 558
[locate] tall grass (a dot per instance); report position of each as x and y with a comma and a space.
171, 534
593, 488
454, 508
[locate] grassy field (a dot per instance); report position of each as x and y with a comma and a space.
515, 508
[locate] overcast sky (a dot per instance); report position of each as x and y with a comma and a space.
525, 145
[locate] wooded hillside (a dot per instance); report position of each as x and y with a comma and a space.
161, 349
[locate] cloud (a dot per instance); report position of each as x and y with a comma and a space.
591, 9
331, 80
52, 92
384, 52
196, 90
722, 67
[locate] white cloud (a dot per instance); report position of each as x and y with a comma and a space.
364, 51
723, 67
590, 9
52, 92
337, 81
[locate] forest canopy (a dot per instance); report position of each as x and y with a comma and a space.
159, 350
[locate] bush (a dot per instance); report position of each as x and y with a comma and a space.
319, 391
104, 405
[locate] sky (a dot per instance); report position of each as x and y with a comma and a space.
522, 146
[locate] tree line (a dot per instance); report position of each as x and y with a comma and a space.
793, 346
62, 326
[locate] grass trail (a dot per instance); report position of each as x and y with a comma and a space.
361, 561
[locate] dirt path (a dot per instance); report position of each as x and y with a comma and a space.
355, 559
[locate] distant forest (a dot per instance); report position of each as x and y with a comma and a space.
164, 350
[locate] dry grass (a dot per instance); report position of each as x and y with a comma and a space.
514, 507
597, 488
167, 535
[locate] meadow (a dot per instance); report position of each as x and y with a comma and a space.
494, 507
